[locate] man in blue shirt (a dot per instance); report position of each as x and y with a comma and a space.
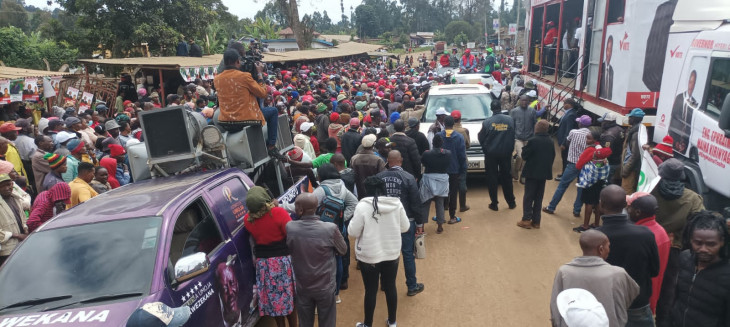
454, 142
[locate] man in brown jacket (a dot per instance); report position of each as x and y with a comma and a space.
40, 164
366, 164
237, 98
611, 285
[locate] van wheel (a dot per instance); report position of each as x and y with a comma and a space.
694, 155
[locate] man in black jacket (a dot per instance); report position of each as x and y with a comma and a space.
497, 138
633, 248
408, 149
565, 125
416, 135
351, 139
538, 154
401, 184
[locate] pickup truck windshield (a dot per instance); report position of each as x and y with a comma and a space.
473, 107
58, 266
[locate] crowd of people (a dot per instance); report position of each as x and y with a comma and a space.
356, 129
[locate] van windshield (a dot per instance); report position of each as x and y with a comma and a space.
61, 266
473, 107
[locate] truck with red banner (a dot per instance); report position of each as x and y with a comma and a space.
671, 58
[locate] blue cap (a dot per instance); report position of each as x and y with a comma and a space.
636, 112
359, 94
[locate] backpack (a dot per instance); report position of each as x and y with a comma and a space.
332, 208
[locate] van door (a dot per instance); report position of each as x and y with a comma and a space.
229, 200
712, 147
211, 295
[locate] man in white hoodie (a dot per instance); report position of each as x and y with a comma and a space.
377, 225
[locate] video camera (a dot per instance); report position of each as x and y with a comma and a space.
252, 57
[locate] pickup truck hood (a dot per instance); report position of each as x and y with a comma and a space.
113, 314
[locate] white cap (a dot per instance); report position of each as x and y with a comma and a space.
305, 126
579, 308
64, 136
368, 140
532, 94
534, 81
441, 111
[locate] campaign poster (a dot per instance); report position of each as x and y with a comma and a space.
16, 90
205, 73
30, 92
687, 102
4, 91
56, 83
196, 73
86, 100
48, 90
185, 73
72, 93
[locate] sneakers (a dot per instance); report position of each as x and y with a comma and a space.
526, 224
547, 210
494, 207
337, 299
387, 323
359, 324
419, 288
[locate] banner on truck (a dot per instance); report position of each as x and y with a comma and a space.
649, 176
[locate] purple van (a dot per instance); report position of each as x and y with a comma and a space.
178, 240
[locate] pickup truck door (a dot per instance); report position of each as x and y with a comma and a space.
211, 295
228, 197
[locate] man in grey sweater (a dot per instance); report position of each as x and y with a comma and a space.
525, 118
611, 285
313, 245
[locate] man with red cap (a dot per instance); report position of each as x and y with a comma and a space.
48, 202
551, 37
468, 62
10, 132
117, 152
663, 151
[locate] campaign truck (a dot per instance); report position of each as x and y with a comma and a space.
671, 58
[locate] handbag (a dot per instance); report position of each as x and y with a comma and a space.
420, 246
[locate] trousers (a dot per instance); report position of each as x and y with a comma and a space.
498, 170
371, 275
569, 175
532, 200
324, 302
408, 243
271, 115
453, 194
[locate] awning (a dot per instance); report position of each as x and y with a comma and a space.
159, 62
342, 50
381, 54
18, 73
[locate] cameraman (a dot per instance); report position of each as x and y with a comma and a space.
237, 93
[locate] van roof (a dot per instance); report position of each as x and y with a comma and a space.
139, 199
458, 89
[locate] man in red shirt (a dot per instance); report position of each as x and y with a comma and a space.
551, 35
548, 49
444, 60
642, 209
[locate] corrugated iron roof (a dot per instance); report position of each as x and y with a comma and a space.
342, 50
17, 73
159, 62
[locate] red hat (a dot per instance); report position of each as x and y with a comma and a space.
664, 148
116, 150
456, 114
8, 127
334, 117
126, 103
550, 23
296, 154
602, 153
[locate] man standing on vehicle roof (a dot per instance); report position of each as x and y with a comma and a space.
497, 138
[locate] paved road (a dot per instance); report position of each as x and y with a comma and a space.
484, 271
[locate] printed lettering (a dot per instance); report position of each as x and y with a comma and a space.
705, 132
28, 320
45, 319
675, 53
10, 322
101, 316
703, 44
64, 318
82, 316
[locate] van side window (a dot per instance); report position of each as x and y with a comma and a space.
232, 208
195, 231
719, 86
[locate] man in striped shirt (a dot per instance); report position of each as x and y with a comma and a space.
576, 144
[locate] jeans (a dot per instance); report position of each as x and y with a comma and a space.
408, 242
338, 275
532, 200
499, 172
271, 115
640, 317
371, 274
569, 175
564, 157
453, 194
462, 191
346, 257
439, 200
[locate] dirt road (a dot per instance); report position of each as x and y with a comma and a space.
484, 271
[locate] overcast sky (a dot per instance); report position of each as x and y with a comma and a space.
244, 9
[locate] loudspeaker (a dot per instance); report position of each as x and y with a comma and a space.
247, 146
284, 139
167, 133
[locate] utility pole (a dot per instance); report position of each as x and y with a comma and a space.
517, 35
499, 26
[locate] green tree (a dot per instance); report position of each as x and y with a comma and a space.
274, 13
366, 21
455, 28
20, 50
262, 28
461, 38
12, 13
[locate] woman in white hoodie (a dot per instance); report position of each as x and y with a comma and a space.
377, 225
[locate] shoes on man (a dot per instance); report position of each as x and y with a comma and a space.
512, 205
526, 224
343, 285
338, 300
359, 324
387, 323
439, 230
418, 289
465, 208
494, 207
547, 210
535, 226
576, 214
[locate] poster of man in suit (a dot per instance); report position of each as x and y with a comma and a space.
680, 127
606, 85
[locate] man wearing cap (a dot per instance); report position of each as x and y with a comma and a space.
641, 208
548, 43
10, 134
408, 149
366, 164
438, 125
306, 140
81, 190
57, 163
117, 152
579, 308
24, 141
414, 133
39, 164
13, 229
497, 138
525, 118
158, 314
675, 205
612, 136
468, 62
48, 204
611, 285
632, 248
577, 143
351, 139
112, 127
322, 122
77, 148
454, 142
631, 155
237, 99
